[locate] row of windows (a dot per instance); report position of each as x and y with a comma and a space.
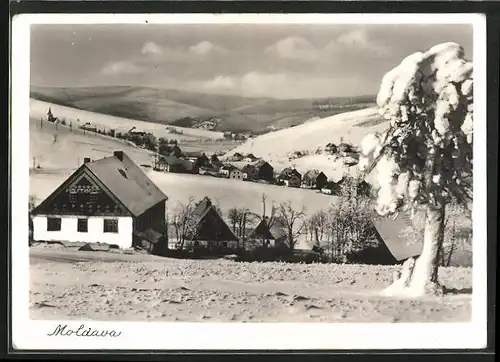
109, 225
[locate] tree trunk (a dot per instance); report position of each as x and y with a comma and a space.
419, 276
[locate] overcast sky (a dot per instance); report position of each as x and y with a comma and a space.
282, 61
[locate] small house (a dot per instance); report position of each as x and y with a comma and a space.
314, 179
268, 235
398, 240
331, 148
110, 200
200, 159
174, 164
236, 157
265, 170
289, 177
210, 229
250, 172
250, 158
235, 173
50, 116
290, 180
214, 161
230, 171
345, 148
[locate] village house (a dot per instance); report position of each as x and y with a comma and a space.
331, 148
250, 172
250, 158
236, 157
231, 172
111, 201
289, 177
200, 159
265, 170
210, 229
174, 164
395, 238
268, 235
345, 149
214, 161
50, 116
314, 179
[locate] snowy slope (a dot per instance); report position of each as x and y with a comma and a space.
38, 109
275, 147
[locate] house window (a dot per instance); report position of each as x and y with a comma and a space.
54, 224
110, 225
83, 226
72, 197
93, 198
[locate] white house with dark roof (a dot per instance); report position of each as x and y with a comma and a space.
110, 200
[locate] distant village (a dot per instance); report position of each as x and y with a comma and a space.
243, 167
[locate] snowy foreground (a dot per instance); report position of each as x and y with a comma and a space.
70, 284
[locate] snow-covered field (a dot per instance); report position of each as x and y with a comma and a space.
146, 288
38, 109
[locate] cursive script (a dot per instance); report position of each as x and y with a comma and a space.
63, 330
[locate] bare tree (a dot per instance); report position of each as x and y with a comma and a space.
317, 227
184, 222
293, 222
234, 217
239, 219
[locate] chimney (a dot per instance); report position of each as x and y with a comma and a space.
86, 160
118, 155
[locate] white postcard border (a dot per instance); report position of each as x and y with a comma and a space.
30, 334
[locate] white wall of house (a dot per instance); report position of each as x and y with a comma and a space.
95, 233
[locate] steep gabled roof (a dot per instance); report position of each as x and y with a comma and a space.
312, 175
127, 182
273, 232
288, 172
260, 163
400, 235
247, 168
203, 209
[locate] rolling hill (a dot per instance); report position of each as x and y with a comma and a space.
78, 117
167, 106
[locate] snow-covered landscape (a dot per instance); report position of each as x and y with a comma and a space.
240, 233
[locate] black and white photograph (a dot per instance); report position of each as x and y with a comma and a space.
261, 175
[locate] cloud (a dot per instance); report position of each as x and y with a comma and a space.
152, 48
283, 85
206, 47
221, 83
297, 48
122, 67
356, 41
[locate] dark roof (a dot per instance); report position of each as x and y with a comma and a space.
246, 168
262, 230
127, 182
260, 163
400, 235
313, 174
230, 168
288, 172
203, 208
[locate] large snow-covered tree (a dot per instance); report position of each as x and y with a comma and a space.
424, 158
